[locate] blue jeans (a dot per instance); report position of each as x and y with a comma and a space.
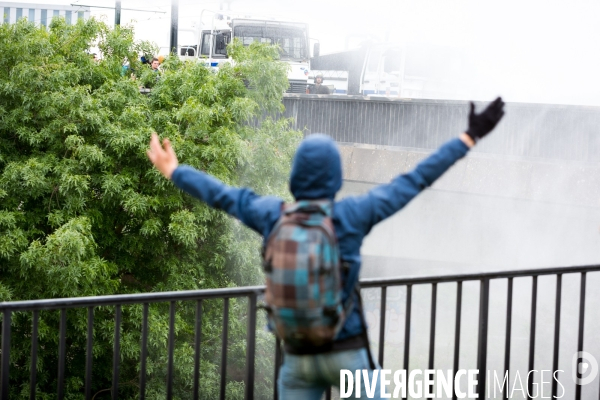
306, 377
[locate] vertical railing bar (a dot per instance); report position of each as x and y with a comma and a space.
328, 393
277, 365
61, 353
116, 353
144, 351
556, 334
250, 347
532, 333
507, 344
457, 331
6, 316
382, 324
482, 336
197, 339
407, 325
89, 354
34, 354
171, 350
581, 325
432, 325
224, 348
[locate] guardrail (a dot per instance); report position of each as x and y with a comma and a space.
252, 294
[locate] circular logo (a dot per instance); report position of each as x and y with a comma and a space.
585, 368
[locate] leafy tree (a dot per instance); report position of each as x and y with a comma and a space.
83, 213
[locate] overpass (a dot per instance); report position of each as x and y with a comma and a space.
526, 196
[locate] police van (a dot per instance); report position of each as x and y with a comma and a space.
214, 35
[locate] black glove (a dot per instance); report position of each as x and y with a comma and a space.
483, 123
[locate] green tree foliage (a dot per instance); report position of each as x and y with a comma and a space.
83, 213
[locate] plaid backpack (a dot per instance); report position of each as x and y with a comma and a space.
304, 284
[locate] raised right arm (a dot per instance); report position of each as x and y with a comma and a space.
257, 212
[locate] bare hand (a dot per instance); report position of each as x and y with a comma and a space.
165, 160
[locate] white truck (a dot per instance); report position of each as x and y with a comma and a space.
396, 70
212, 39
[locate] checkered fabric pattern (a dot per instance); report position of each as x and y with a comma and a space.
302, 265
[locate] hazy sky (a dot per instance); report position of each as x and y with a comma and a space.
526, 50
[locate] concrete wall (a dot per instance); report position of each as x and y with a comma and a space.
549, 131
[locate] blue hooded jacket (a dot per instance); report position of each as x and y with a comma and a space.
317, 174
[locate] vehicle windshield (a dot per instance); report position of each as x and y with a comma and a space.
291, 39
220, 40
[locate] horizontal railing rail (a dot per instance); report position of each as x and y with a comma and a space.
252, 294
382, 282
111, 300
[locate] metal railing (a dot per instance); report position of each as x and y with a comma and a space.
7, 308
484, 279
252, 293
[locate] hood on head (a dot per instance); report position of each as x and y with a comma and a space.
316, 169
